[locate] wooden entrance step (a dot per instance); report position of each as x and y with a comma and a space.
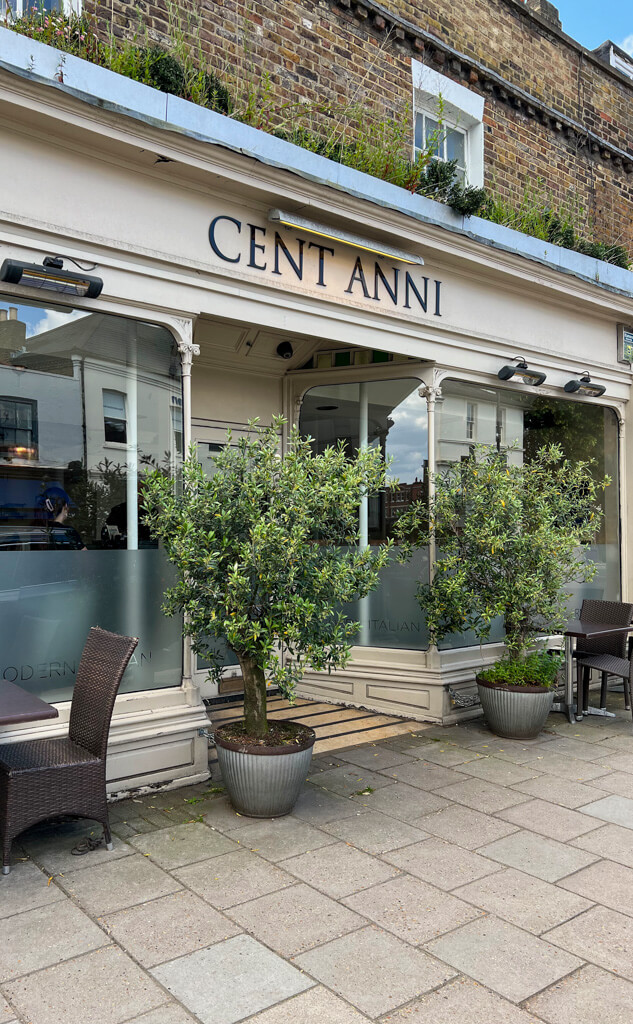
336, 727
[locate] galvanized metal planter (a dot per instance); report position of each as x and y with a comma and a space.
515, 712
263, 782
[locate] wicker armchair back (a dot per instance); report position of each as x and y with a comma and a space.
50, 778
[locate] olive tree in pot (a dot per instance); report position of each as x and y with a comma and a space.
510, 537
266, 556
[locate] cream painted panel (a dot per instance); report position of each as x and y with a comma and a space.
404, 697
224, 396
139, 213
127, 764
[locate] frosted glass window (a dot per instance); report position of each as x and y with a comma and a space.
74, 551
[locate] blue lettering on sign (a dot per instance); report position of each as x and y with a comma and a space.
291, 259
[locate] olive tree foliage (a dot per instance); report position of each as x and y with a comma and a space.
509, 540
266, 555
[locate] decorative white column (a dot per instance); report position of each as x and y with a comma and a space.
431, 392
187, 349
363, 513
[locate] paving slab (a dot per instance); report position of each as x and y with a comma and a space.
449, 754
465, 827
600, 935
233, 878
616, 809
622, 741
339, 870
412, 909
497, 771
402, 801
537, 855
549, 820
507, 959
377, 758
609, 841
295, 919
25, 888
374, 970
605, 882
523, 900
562, 792
317, 806
424, 775
615, 782
52, 850
375, 832
171, 1013
461, 1002
231, 980
565, 767
349, 779
45, 936
441, 864
6, 1013
619, 761
167, 928
516, 751
586, 997
118, 884
220, 814
278, 838
481, 796
80, 991
317, 1006
174, 847
567, 746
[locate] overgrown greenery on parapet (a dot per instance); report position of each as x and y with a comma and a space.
353, 135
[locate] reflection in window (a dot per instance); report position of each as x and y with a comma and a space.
114, 418
528, 421
390, 415
18, 428
71, 384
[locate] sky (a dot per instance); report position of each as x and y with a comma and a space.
590, 23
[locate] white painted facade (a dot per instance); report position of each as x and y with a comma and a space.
134, 182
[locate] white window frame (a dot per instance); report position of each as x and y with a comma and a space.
458, 108
18, 8
119, 419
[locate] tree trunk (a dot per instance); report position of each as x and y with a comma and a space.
254, 697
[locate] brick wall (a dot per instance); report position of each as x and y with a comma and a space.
574, 130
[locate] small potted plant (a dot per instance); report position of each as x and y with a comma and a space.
266, 557
509, 539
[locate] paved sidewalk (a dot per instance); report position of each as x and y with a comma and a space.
447, 877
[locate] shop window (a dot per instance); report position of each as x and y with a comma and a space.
527, 421
18, 429
114, 418
74, 550
448, 122
396, 422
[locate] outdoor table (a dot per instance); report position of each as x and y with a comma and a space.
585, 631
18, 705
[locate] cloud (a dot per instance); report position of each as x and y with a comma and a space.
627, 44
52, 319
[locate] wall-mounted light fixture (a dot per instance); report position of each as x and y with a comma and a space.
285, 350
521, 373
583, 386
51, 276
291, 220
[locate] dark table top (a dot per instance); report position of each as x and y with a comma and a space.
592, 629
18, 705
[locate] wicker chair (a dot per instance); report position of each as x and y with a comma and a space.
607, 654
46, 778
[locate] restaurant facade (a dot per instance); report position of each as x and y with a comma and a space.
239, 278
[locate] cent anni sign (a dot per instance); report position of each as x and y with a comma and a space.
319, 266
